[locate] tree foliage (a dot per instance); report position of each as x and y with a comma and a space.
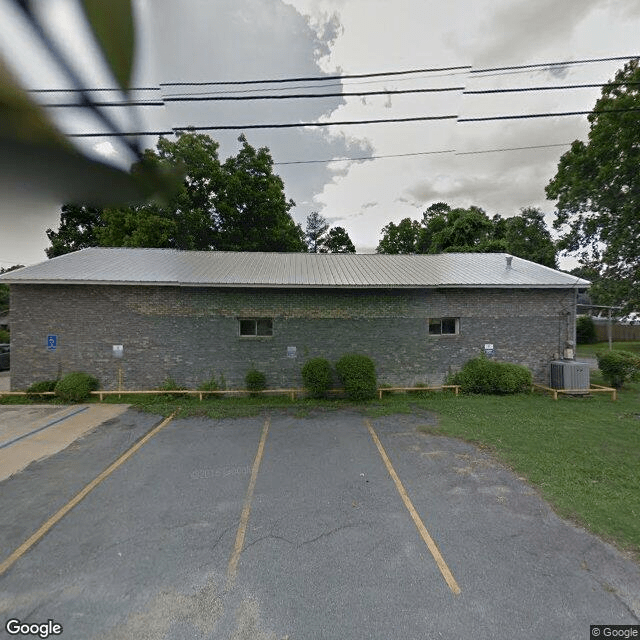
4, 288
319, 240
597, 188
315, 232
338, 241
238, 205
446, 230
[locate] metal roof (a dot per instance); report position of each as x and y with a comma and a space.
171, 267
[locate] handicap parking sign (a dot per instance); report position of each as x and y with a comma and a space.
52, 342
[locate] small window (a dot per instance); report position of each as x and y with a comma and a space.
252, 327
443, 326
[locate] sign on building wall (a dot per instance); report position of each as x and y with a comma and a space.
52, 342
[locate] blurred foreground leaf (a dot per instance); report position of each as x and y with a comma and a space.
35, 155
112, 23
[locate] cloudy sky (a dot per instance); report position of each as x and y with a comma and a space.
415, 163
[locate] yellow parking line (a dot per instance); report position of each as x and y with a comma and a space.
27, 544
433, 548
246, 510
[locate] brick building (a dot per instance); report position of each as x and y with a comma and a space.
187, 315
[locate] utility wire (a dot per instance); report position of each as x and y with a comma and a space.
313, 78
464, 68
392, 155
187, 98
424, 153
594, 85
237, 127
289, 125
546, 115
208, 98
554, 64
536, 146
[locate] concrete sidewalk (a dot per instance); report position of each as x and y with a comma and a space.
33, 432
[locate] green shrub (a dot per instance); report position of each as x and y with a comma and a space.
619, 367
586, 330
75, 387
211, 384
482, 375
316, 376
5, 336
42, 386
255, 381
170, 384
358, 376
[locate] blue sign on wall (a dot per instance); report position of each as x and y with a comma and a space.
52, 342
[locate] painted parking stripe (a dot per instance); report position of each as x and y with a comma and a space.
46, 426
246, 510
42, 531
431, 545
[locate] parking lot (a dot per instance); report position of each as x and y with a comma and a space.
328, 526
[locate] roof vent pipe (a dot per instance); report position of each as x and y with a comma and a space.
509, 259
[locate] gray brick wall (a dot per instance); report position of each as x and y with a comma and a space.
188, 334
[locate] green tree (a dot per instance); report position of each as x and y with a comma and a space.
78, 230
239, 205
400, 238
253, 211
338, 241
315, 232
455, 230
528, 237
4, 289
597, 188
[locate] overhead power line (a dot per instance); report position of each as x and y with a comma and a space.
594, 85
187, 98
353, 159
566, 63
289, 125
424, 153
462, 68
546, 115
314, 78
208, 98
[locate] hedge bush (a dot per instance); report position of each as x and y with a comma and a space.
358, 376
482, 375
618, 367
586, 330
76, 386
212, 384
42, 386
170, 384
5, 336
255, 380
316, 376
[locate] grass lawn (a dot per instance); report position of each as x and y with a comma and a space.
590, 350
583, 454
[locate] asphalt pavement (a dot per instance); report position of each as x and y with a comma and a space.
279, 527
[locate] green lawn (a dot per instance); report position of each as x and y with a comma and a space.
583, 454
590, 350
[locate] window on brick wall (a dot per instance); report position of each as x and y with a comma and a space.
252, 327
444, 326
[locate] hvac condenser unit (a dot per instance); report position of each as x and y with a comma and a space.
568, 374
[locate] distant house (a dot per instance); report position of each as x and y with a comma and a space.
187, 315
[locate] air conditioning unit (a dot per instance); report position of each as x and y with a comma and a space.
568, 374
